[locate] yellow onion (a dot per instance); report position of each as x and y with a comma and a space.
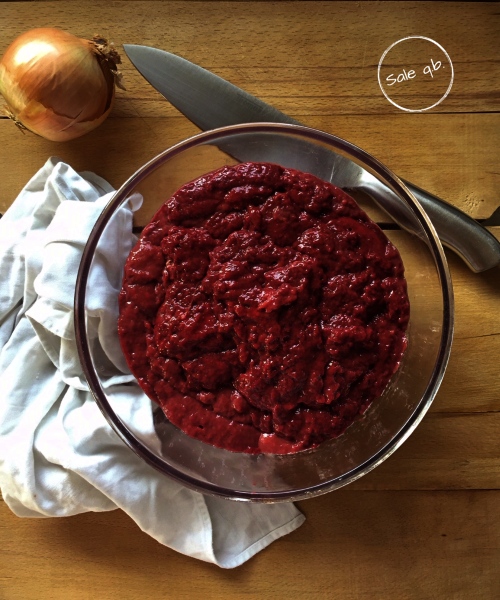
58, 85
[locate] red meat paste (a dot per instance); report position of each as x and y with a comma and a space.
262, 309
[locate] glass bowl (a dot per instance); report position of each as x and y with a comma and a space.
385, 425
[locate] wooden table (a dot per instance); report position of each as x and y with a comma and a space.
426, 523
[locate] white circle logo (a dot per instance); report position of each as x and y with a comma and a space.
416, 73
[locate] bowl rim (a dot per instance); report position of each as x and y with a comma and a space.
437, 251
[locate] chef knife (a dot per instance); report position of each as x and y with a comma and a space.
211, 102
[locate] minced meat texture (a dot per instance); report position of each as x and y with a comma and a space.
262, 309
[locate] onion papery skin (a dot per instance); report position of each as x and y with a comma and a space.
56, 84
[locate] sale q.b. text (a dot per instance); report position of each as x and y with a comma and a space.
411, 74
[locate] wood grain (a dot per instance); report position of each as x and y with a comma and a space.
326, 81
462, 170
304, 57
353, 545
424, 524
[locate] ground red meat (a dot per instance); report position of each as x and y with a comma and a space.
262, 309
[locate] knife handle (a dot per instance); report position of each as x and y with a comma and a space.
475, 245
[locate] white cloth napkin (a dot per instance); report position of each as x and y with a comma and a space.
58, 455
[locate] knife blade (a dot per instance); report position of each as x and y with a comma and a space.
211, 102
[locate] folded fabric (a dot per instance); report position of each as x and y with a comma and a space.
58, 455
